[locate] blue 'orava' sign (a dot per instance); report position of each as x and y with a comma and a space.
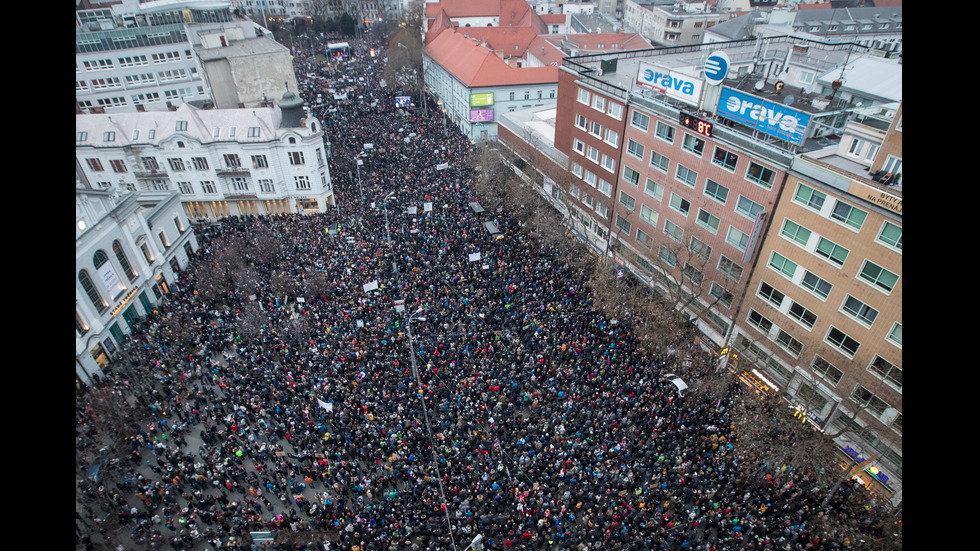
768, 117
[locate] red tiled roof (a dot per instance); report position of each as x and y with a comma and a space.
824, 6
553, 18
476, 66
464, 8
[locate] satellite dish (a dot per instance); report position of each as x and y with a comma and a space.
760, 85
788, 100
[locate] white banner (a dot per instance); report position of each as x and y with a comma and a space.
373, 286
474, 257
111, 280
427, 207
442, 166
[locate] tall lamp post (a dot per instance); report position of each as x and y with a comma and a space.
425, 411
391, 246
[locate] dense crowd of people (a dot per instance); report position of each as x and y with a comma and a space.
498, 403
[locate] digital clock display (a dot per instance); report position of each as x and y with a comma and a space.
700, 126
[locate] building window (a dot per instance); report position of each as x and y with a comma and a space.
208, 187
581, 122
716, 191
612, 137
795, 232
885, 370
579, 146
859, 311
185, 187
150, 164
642, 237
782, 265
640, 121
649, 215
176, 165
118, 166
868, 401
680, 204
693, 275
296, 158
737, 238
789, 343
721, 295
708, 220
260, 161
810, 197
700, 249
598, 102
659, 161
95, 165
239, 184
254, 131
302, 183
635, 149
627, 200
760, 175
595, 129
605, 188
725, 159
232, 160
668, 257
593, 154
590, 178
673, 230
93, 294
653, 189
878, 276
200, 163
895, 335
831, 251
608, 163
771, 294
847, 345
891, 235
826, 370
576, 169
266, 186
665, 132
730, 268
851, 216
623, 225
686, 175
818, 285
583, 96
799, 312
615, 111
759, 321
693, 144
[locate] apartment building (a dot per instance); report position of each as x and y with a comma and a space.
822, 320
223, 162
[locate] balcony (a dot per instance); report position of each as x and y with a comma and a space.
232, 171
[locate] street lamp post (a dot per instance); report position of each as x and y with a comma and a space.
425, 412
391, 246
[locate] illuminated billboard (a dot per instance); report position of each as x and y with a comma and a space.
481, 100
481, 115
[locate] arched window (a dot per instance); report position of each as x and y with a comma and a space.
90, 290
123, 261
292, 140
99, 258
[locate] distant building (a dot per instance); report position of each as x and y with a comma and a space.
671, 23
878, 28
129, 249
482, 59
222, 162
154, 56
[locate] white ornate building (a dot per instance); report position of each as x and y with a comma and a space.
128, 249
222, 162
